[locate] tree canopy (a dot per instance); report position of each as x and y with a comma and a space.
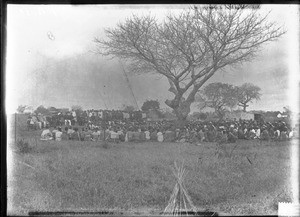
247, 93
76, 108
150, 105
42, 110
128, 108
189, 48
220, 97
21, 109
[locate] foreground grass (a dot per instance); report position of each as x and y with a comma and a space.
137, 176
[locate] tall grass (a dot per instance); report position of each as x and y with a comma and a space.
131, 176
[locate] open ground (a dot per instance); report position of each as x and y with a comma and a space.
137, 177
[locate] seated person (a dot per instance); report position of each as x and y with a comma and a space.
201, 135
257, 133
231, 138
160, 136
241, 134
193, 137
283, 136
58, 134
219, 136
177, 134
296, 131
121, 135
252, 134
70, 132
75, 135
153, 135
142, 136
114, 136
95, 134
265, 135
129, 135
46, 134
54, 133
147, 135
87, 134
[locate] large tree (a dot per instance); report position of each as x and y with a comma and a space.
220, 97
189, 48
247, 93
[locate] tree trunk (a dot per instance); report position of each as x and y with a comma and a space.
181, 118
181, 110
244, 107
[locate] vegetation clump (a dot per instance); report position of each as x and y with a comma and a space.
23, 146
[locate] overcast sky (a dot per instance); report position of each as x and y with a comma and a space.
50, 59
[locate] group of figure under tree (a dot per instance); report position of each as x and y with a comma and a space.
81, 118
192, 131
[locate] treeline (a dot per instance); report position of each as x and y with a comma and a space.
223, 97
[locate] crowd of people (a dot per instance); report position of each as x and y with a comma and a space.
123, 130
82, 118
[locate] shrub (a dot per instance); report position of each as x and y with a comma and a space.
106, 145
23, 146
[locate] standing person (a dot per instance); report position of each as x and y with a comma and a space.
39, 122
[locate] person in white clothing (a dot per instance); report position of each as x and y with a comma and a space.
58, 134
114, 136
160, 136
257, 132
46, 134
147, 135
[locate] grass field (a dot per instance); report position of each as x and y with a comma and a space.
137, 177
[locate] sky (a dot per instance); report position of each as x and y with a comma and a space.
51, 59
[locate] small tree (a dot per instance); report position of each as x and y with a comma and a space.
247, 93
41, 109
128, 108
189, 48
150, 105
76, 108
220, 97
